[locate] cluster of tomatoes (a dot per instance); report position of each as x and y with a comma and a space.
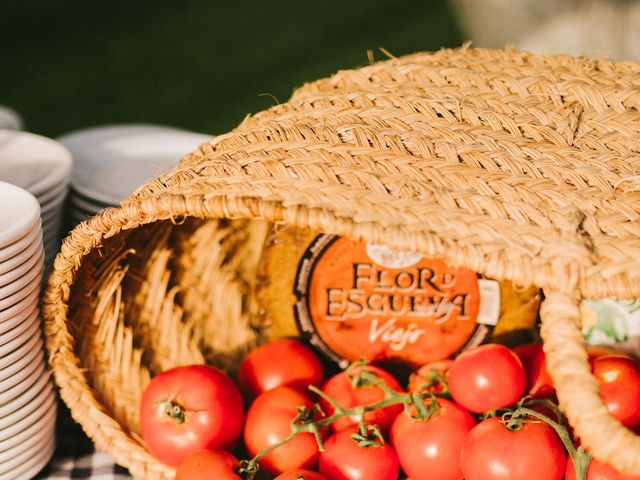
488, 414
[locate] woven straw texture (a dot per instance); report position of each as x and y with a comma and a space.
521, 167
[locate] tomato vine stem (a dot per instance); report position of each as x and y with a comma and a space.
368, 435
436, 379
420, 406
579, 456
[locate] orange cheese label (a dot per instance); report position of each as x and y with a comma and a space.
358, 300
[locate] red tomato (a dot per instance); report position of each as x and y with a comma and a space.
283, 362
208, 464
539, 384
300, 475
420, 380
598, 470
269, 422
619, 379
486, 378
601, 350
429, 449
339, 388
343, 459
190, 408
492, 452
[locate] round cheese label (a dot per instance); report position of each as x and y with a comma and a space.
357, 300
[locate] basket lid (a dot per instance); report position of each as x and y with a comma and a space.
516, 165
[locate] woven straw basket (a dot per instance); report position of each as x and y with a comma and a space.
518, 166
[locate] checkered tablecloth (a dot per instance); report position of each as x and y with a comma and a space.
94, 465
75, 456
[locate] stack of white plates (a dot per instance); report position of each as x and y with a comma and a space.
27, 400
43, 167
9, 118
110, 163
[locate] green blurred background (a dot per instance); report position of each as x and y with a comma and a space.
202, 65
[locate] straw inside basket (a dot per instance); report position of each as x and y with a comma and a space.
167, 295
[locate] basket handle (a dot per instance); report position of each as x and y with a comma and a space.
578, 392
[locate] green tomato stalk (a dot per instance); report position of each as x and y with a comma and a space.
306, 420
581, 459
420, 406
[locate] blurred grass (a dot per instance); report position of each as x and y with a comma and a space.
201, 65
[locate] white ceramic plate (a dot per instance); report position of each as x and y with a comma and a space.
29, 469
53, 230
51, 252
13, 361
20, 387
83, 211
24, 214
110, 163
18, 310
11, 300
87, 138
21, 257
12, 339
15, 457
30, 395
25, 410
54, 205
37, 398
36, 413
28, 371
21, 281
76, 217
33, 449
54, 192
53, 222
78, 203
51, 249
9, 118
12, 327
52, 236
20, 272
52, 242
32, 465
42, 422
19, 245
95, 204
33, 162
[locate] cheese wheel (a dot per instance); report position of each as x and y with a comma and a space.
355, 300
